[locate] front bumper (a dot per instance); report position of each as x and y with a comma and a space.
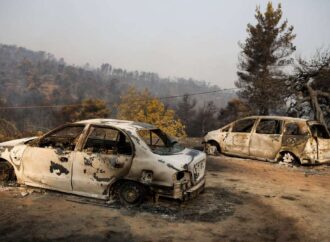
182, 192
195, 190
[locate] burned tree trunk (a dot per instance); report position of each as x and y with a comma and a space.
318, 114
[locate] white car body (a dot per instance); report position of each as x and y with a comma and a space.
45, 162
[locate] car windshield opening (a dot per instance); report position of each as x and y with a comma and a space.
159, 142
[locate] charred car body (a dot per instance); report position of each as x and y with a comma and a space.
103, 157
272, 138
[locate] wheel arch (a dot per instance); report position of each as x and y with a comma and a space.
215, 143
117, 182
13, 175
282, 152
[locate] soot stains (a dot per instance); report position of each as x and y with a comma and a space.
193, 154
59, 151
161, 161
64, 159
100, 179
88, 162
171, 166
57, 169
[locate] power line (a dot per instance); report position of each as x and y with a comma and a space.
138, 100
41, 106
194, 94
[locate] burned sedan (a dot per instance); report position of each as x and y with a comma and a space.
106, 158
272, 138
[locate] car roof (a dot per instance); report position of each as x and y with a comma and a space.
122, 124
278, 118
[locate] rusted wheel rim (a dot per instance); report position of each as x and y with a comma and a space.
131, 194
288, 158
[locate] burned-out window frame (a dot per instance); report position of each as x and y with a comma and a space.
242, 120
279, 126
58, 129
149, 141
298, 125
170, 146
227, 128
324, 135
90, 130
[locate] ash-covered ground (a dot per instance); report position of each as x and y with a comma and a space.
244, 200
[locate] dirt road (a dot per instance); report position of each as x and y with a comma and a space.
244, 200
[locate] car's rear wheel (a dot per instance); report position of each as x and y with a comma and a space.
131, 194
289, 159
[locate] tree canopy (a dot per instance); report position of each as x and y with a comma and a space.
265, 52
143, 107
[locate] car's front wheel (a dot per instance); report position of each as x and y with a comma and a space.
211, 148
6, 172
131, 194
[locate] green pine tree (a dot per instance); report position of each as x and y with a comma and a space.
265, 53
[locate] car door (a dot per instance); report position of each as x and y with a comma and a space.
48, 163
322, 137
295, 136
266, 139
106, 154
237, 141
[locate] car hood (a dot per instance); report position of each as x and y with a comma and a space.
16, 141
184, 159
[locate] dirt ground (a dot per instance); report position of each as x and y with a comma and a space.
244, 200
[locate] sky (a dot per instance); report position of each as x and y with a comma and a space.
175, 38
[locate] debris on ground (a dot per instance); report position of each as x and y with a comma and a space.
24, 193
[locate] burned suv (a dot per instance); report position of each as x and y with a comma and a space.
104, 157
272, 138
